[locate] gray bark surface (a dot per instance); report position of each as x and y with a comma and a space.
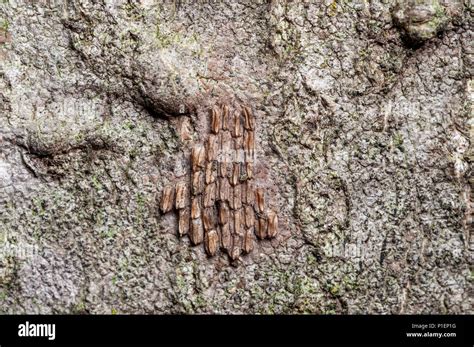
364, 123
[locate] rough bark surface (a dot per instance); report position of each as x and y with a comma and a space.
363, 124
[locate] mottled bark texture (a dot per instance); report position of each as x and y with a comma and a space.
363, 119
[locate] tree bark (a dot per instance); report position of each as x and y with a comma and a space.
361, 124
